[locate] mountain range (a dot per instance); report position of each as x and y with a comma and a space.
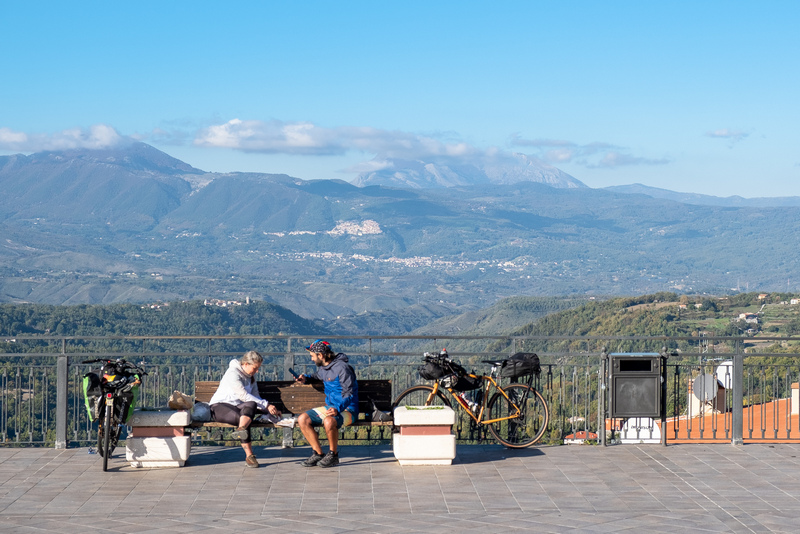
133, 224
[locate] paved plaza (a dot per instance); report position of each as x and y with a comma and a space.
635, 488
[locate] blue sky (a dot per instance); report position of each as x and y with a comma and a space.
689, 96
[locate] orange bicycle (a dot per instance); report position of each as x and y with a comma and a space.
516, 414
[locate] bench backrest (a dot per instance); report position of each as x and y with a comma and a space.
292, 397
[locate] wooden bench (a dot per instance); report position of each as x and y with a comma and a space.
295, 398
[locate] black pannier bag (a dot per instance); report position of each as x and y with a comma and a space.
521, 364
92, 395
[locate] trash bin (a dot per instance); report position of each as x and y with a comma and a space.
636, 385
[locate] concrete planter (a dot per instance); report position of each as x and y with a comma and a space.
157, 439
425, 435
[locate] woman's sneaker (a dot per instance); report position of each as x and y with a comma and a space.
330, 459
312, 460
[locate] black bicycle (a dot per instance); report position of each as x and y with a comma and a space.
110, 396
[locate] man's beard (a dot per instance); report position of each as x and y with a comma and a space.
319, 363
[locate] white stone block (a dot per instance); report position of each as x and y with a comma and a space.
160, 418
424, 450
424, 415
148, 464
150, 452
795, 398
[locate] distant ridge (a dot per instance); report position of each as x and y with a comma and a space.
705, 200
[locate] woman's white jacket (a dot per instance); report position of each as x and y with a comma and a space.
237, 387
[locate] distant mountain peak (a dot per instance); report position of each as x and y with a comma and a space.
504, 169
133, 155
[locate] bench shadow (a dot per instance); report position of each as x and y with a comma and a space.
218, 455
465, 455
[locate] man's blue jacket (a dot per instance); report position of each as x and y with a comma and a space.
341, 388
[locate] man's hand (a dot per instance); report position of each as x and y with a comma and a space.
332, 412
301, 379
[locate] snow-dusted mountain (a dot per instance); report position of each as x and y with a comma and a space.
507, 169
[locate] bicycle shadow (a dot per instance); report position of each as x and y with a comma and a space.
478, 454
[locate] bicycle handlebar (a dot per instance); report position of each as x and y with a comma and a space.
122, 365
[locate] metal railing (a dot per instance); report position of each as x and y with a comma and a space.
41, 400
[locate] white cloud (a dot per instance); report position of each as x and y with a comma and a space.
591, 155
616, 159
305, 138
97, 136
734, 136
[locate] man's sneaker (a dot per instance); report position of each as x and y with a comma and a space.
251, 461
288, 423
312, 460
240, 434
331, 459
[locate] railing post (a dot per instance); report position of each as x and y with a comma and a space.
62, 386
601, 398
288, 363
737, 399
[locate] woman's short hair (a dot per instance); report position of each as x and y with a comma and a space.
251, 356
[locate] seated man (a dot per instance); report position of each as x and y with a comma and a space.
341, 402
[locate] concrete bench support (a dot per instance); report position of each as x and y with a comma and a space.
425, 435
157, 438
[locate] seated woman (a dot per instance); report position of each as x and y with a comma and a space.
237, 401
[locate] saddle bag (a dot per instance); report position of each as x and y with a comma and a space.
521, 364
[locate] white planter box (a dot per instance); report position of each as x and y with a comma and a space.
157, 438
425, 436
160, 418
158, 452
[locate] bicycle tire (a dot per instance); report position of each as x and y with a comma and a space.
418, 396
524, 430
107, 435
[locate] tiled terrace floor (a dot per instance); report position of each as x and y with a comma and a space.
635, 488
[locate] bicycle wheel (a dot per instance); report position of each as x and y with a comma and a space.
418, 396
107, 431
528, 427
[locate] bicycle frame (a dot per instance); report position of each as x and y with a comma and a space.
488, 382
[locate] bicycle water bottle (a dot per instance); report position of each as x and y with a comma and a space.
472, 405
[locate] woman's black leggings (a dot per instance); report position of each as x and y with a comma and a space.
223, 412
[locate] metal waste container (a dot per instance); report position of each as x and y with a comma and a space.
637, 384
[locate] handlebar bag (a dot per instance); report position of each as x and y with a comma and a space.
521, 364
431, 371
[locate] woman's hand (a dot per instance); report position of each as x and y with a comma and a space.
273, 410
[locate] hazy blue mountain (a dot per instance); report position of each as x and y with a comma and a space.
135, 225
129, 188
705, 200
